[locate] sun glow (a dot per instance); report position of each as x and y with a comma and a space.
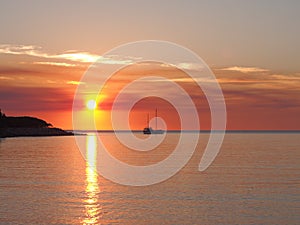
91, 104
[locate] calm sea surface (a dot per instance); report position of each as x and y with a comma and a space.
255, 179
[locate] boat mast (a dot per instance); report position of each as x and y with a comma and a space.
156, 119
147, 120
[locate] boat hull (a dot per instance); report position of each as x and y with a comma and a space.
149, 130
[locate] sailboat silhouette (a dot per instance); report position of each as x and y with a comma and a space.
149, 130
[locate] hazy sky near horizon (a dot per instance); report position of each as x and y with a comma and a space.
252, 47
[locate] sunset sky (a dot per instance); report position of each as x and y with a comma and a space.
252, 47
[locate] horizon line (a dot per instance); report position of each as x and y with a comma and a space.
204, 131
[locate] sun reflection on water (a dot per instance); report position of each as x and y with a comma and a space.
92, 206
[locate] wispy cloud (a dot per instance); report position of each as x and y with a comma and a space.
74, 56
190, 66
18, 49
184, 66
244, 69
56, 64
84, 57
5, 78
73, 82
35, 51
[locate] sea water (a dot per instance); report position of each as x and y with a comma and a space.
255, 179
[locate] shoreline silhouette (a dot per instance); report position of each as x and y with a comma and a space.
26, 126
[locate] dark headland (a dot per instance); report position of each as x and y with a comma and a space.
23, 126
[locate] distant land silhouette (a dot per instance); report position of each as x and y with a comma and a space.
22, 126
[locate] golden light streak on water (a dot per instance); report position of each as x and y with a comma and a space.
92, 190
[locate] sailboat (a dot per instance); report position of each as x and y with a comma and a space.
149, 130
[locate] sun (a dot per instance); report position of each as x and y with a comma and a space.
91, 104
